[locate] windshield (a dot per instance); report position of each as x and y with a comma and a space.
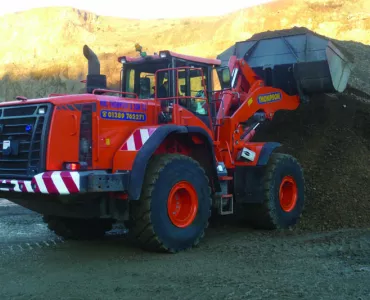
139, 78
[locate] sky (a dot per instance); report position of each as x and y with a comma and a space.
139, 9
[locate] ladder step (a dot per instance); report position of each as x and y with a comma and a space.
227, 196
226, 178
226, 205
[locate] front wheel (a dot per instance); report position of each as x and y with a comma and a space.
173, 211
283, 194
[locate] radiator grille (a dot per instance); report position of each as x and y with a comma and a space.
25, 129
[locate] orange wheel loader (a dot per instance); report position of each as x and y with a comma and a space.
167, 149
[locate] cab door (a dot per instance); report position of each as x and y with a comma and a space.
192, 91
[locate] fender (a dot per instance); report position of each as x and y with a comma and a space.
266, 151
203, 132
147, 150
247, 180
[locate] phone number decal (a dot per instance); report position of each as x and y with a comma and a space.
123, 116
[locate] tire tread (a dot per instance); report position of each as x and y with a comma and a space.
262, 215
141, 211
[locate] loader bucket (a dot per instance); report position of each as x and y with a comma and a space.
286, 59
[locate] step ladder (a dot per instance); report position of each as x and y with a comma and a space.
224, 200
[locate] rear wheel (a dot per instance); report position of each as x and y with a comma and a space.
173, 211
283, 195
78, 229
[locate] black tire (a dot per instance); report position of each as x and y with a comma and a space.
78, 229
270, 214
151, 225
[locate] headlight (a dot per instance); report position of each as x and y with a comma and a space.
164, 54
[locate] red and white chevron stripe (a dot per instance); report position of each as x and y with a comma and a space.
138, 139
56, 182
23, 186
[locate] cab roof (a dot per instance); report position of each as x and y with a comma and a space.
165, 54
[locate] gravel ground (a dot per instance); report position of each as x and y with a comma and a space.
20, 228
230, 263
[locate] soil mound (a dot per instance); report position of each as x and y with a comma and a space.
331, 138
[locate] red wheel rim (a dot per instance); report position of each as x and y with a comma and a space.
182, 205
288, 193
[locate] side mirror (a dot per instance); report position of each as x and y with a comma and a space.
226, 75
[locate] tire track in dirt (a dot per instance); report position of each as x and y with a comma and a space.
23, 230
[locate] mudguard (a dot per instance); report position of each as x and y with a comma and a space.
266, 151
147, 150
247, 184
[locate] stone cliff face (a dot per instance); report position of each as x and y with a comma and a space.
41, 49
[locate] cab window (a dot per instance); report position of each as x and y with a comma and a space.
130, 81
146, 85
190, 84
216, 81
140, 78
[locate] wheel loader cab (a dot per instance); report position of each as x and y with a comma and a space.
171, 80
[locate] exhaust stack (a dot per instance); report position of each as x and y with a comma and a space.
93, 61
94, 79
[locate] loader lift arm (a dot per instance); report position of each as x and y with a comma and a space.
249, 94
258, 182
247, 104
